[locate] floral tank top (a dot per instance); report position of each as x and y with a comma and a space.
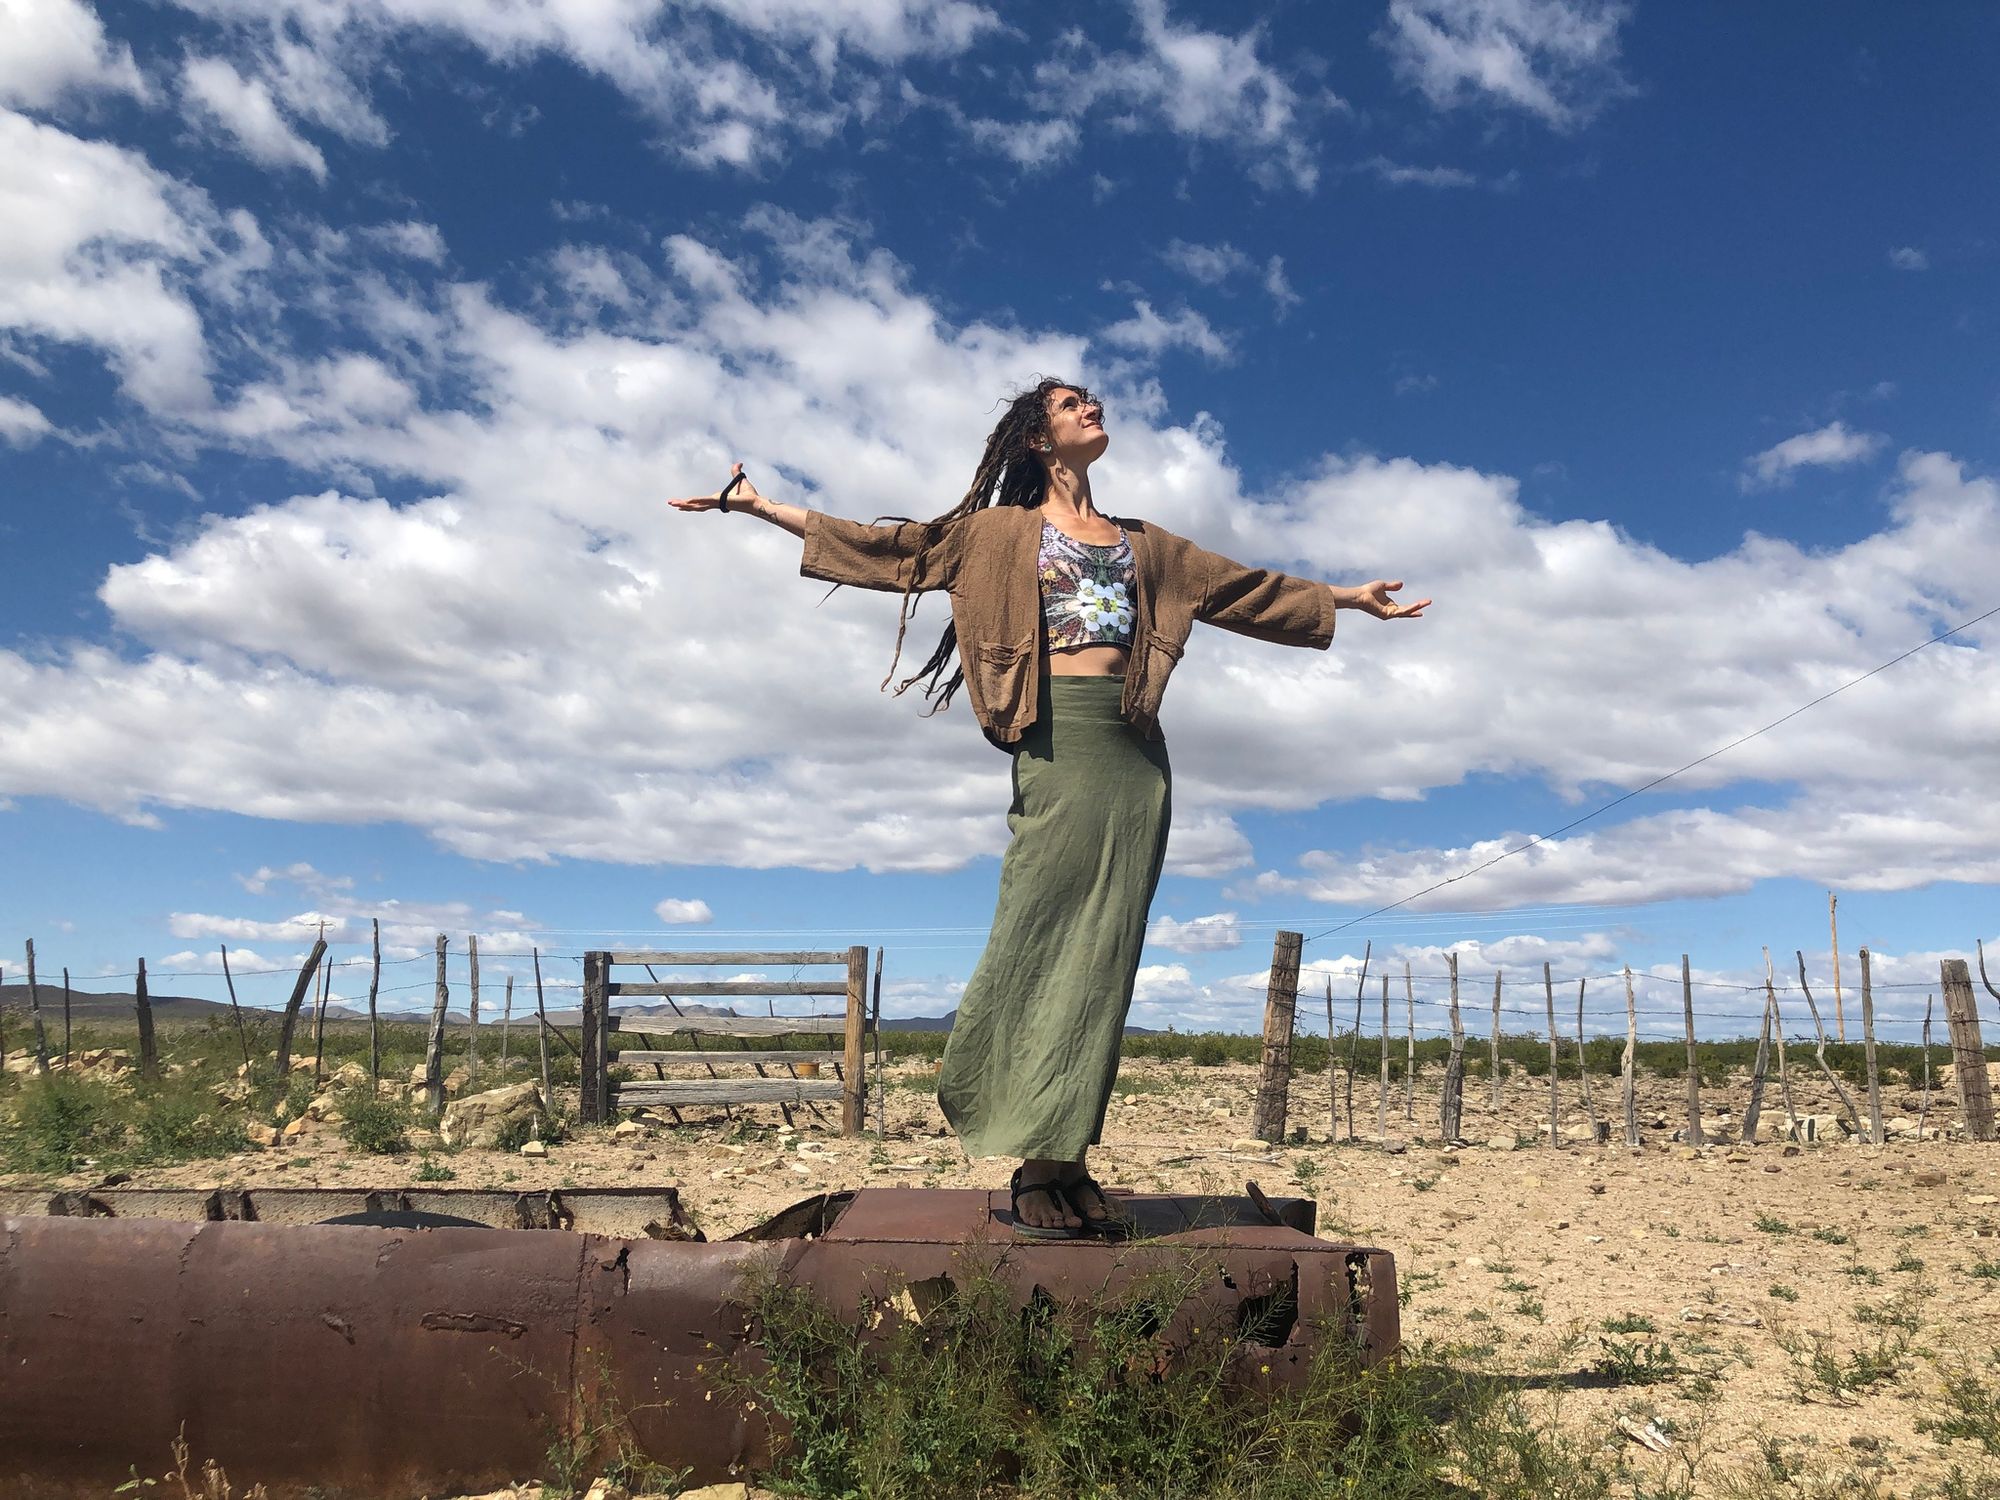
1087, 591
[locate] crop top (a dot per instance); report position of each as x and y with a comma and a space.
1087, 591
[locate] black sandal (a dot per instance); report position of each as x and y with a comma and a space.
1108, 1225
1057, 1193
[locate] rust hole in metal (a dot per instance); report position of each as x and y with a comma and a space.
1270, 1318
442, 1322
1360, 1291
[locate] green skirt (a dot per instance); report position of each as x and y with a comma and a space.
1034, 1049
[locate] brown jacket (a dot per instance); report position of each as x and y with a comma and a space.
988, 562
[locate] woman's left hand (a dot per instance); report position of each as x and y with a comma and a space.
1373, 597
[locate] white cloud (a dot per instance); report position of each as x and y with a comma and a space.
1829, 448
1278, 287
1398, 174
1909, 258
1555, 59
1026, 143
1149, 335
21, 424
49, 48
301, 928
1211, 265
1211, 934
676, 912
298, 873
96, 250
244, 109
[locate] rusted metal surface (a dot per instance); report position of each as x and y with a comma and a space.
355, 1360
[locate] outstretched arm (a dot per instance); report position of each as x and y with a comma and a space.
790, 518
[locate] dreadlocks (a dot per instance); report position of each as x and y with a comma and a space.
1008, 474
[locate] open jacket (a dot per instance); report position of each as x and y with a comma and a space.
988, 562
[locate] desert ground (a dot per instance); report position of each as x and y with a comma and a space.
1780, 1313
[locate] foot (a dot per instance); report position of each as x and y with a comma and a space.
1087, 1201
1041, 1199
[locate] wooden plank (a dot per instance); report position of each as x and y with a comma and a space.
854, 1097
678, 990
1280, 1003
727, 1091
733, 1025
693, 1059
665, 958
1968, 1056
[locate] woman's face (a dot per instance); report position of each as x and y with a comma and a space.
1076, 426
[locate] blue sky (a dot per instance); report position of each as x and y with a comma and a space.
348, 349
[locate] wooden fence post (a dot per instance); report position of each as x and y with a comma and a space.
1839, 1009
1819, 1050
1280, 1006
1924, 1103
1354, 1044
1868, 1045
307, 971
1968, 1057
472, 1011
1778, 1036
1753, 1111
1409, 1045
319, 1019
149, 1046
1583, 1068
854, 1097
506, 1023
1694, 1135
374, 985
1555, 1063
242, 1036
35, 1011
593, 1063
1382, 1105
434, 1046
542, 1030
875, 1027
1629, 1067
65, 1020
1496, 1044
1451, 1103
1332, 1088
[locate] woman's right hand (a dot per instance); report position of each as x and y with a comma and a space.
744, 494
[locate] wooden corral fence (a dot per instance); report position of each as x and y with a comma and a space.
604, 1095
1969, 1070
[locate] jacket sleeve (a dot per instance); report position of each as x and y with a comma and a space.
906, 554
1261, 602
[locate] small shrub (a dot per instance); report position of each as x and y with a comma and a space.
1629, 1323
184, 1127
1208, 1052
58, 1122
377, 1126
430, 1169
1771, 1224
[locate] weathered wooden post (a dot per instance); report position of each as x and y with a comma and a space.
542, 1030
506, 1022
1332, 1088
1451, 1103
1968, 1056
1778, 1037
593, 1106
1496, 1043
307, 971
875, 1028
65, 1020
1583, 1066
854, 1093
149, 1046
1555, 1063
374, 985
1868, 1044
319, 1018
1924, 1103
1628, 1068
1694, 1135
472, 1011
1409, 1045
1819, 1050
434, 1046
1280, 1006
1382, 1105
1753, 1111
35, 1012
242, 1036
1833, 924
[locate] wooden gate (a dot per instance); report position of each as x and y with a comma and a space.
603, 1095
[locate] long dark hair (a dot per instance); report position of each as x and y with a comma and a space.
1009, 473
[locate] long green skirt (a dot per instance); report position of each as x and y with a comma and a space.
1034, 1050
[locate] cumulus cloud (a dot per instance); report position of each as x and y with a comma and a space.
247, 114
676, 912
1831, 447
51, 48
298, 873
1909, 258
1149, 334
1555, 59
1211, 934
22, 425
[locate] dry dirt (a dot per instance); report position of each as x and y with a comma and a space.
1730, 1252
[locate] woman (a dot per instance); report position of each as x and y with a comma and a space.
1070, 623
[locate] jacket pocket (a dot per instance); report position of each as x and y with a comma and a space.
1155, 666
1002, 673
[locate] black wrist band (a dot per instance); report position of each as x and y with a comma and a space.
729, 489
